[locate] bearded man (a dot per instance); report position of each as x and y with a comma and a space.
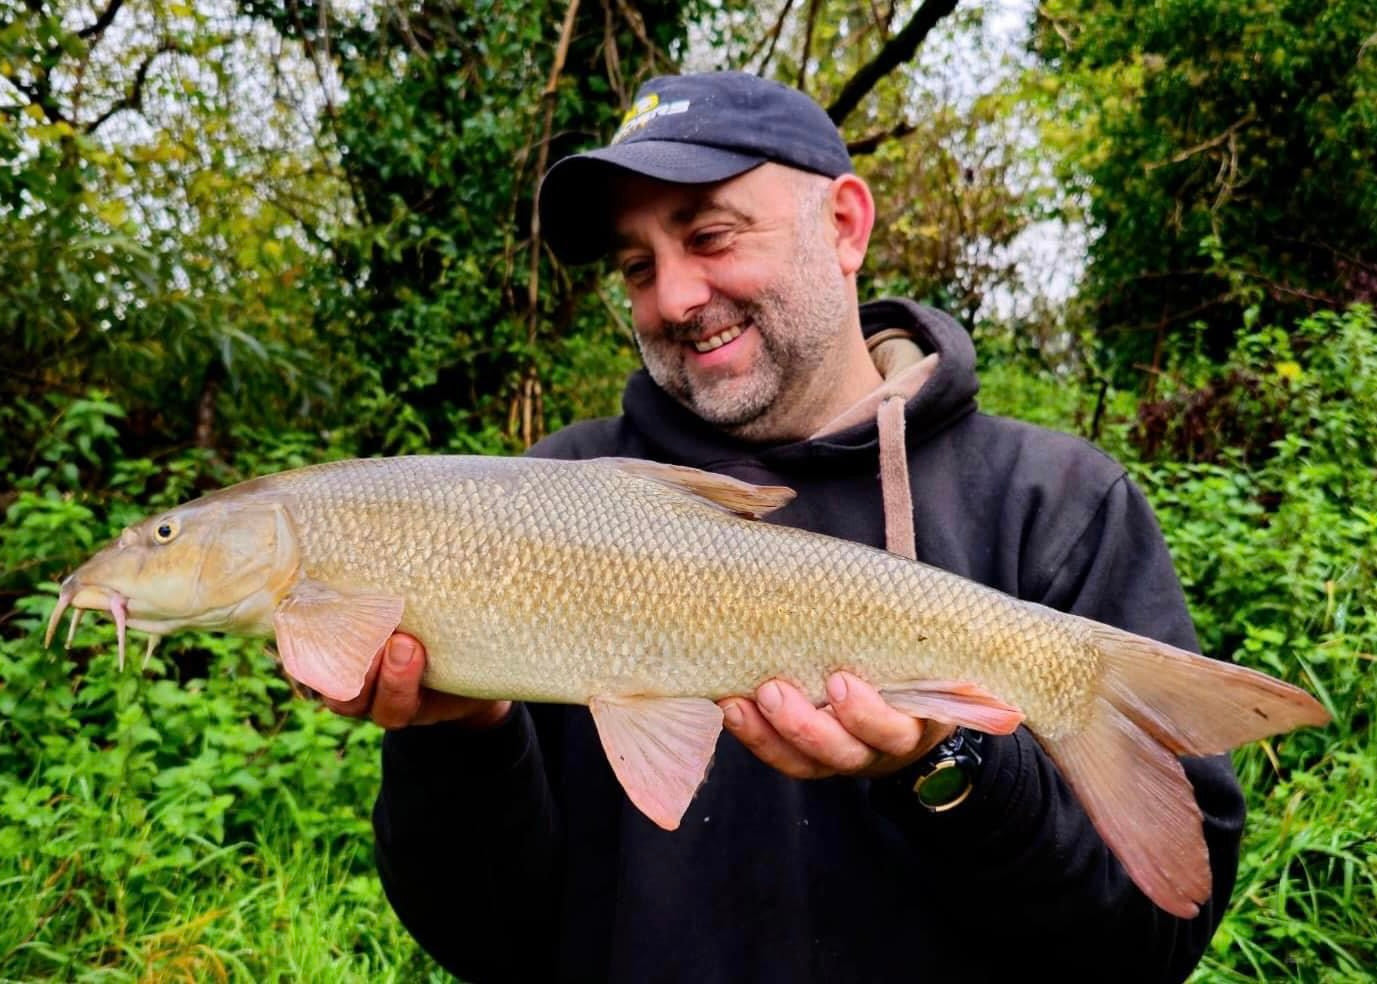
818, 849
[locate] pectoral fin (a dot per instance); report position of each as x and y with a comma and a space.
965, 704
659, 748
328, 639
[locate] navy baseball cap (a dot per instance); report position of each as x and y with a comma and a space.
686, 129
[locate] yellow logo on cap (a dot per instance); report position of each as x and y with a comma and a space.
644, 110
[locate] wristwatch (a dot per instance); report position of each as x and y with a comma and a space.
946, 775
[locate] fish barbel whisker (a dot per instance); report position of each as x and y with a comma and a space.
118, 609
153, 640
72, 627
64, 600
120, 612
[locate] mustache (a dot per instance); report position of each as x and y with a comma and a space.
707, 321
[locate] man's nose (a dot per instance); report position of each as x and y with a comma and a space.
680, 289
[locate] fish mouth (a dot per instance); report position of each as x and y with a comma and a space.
91, 597
719, 338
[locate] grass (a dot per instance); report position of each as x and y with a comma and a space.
298, 901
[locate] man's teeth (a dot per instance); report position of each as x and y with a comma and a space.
718, 340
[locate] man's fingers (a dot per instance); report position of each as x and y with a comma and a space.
744, 720
857, 733
817, 734
397, 697
864, 713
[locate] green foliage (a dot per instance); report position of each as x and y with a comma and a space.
455, 329
1228, 153
1274, 545
197, 820
149, 243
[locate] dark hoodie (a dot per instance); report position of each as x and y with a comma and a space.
512, 854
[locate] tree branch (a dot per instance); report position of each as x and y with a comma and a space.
813, 6
550, 94
637, 25
882, 20
39, 97
134, 100
896, 51
404, 23
279, 202
772, 38
102, 22
356, 196
1204, 145
870, 143
609, 53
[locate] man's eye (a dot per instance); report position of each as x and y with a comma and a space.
635, 271
710, 239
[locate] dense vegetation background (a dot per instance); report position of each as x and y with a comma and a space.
243, 235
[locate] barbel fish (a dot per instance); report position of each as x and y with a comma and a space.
648, 592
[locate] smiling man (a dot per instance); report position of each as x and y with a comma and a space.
737, 302
849, 842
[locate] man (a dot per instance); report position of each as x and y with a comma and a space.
819, 849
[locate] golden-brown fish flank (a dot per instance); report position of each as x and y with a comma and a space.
645, 592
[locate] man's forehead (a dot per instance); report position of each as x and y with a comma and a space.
679, 202
637, 198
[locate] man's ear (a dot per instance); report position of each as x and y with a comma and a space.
853, 216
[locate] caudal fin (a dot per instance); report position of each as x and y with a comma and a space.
1157, 702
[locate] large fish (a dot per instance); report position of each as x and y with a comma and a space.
647, 592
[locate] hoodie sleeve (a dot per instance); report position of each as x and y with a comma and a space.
467, 847
1022, 853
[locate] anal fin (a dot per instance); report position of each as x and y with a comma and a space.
952, 702
659, 748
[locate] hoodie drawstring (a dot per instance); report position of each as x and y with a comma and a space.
898, 359
905, 369
894, 484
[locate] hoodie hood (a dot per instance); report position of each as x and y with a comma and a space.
676, 434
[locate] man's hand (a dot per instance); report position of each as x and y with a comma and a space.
856, 734
394, 698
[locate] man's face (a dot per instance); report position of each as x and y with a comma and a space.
737, 297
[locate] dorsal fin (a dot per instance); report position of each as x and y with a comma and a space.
731, 494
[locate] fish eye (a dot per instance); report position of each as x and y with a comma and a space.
166, 530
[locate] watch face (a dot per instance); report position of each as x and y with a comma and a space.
943, 787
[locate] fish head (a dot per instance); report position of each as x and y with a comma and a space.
216, 563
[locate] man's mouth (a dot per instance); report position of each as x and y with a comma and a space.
718, 340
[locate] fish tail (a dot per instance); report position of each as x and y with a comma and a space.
1156, 702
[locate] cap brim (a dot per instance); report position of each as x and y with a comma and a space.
576, 196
